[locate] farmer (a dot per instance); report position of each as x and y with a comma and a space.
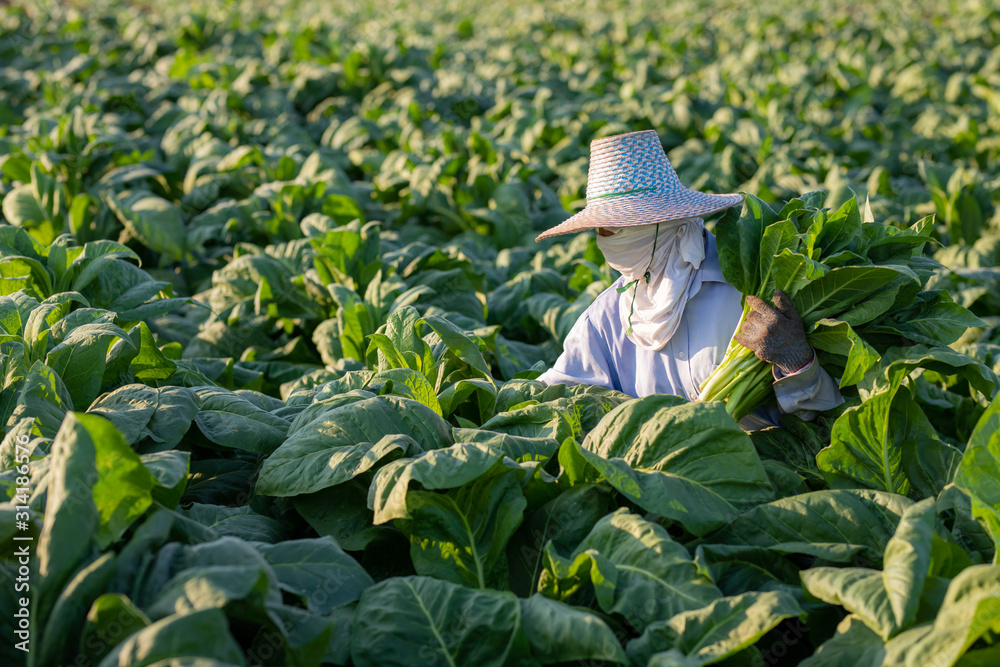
665, 324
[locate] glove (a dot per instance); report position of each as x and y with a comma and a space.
775, 334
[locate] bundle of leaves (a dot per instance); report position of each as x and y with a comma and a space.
859, 286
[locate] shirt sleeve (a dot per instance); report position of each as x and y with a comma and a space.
584, 359
806, 392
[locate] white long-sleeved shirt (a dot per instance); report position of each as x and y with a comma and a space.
597, 351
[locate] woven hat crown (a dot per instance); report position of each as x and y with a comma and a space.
630, 182
632, 163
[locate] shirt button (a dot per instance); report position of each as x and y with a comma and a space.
681, 355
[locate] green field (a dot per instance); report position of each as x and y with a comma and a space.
271, 310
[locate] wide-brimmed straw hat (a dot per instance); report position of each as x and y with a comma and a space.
630, 182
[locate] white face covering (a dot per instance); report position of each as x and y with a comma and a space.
654, 307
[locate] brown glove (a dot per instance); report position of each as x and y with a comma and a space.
775, 334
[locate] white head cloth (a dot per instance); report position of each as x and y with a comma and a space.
658, 304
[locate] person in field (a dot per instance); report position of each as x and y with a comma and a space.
665, 324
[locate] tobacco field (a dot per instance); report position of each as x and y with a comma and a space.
271, 314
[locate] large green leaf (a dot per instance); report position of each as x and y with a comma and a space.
517, 447
853, 645
454, 396
886, 601
838, 337
164, 415
443, 623
400, 327
792, 270
634, 568
692, 504
61, 636
22, 207
777, 238
306, 637
96, 257
217, 586
840, 289
410, 384
898, 362
833, 232
331, 446
543, 420
111, 618
944, 321
867, 443
151, 364
565, 521
444, 468
22, 273
559, 633
342, 512
153, 220
241, 522
129, 408
971, 608
739, 243
834, 525
122, 486
85, 355
231, 419
318, 571
718, 630
70, 509
460, 344
979, 473
740, 569
200, 634
44, 397
697, 441
461, 535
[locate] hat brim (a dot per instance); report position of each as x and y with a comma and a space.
633, 211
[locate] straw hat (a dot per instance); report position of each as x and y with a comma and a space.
630, 183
